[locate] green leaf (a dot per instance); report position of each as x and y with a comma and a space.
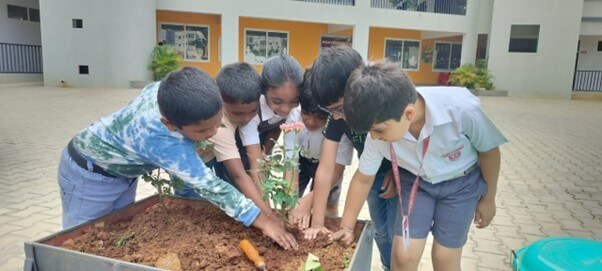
277, 157
312, 263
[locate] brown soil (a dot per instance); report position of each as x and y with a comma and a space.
203, 238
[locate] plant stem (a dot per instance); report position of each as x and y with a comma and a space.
290, 190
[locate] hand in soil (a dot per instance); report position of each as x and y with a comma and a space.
274, 230
345, 236
312, 233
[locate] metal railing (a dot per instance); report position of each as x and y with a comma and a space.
20, 58
332, 2
456, 7
587, 80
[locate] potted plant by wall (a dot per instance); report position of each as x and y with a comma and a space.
477, 78
164, 232
164, 59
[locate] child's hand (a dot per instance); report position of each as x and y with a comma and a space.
388, 188
275, 231
344, 235
301, 214
312, 233
484, 213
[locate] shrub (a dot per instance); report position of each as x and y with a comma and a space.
472, 76
164, 59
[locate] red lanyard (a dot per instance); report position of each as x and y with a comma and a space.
405, 218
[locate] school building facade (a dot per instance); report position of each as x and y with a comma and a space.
533, 48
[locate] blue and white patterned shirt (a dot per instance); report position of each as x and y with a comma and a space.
134, 141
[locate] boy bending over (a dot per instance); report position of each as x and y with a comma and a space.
98, 170
439, 134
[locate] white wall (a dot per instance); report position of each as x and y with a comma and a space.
592, 13
485, 15
589, 57
549, 72
593, 28
592, 8
16, 31
115, 42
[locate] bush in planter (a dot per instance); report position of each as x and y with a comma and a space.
164, 59
473, 76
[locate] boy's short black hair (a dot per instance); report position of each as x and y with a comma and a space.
187, 96
377, 93
239, 83
307, 101
330, 72
280, 69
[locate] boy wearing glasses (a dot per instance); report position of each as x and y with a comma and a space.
329, 74
310, 143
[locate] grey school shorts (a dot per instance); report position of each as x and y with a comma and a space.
447, 208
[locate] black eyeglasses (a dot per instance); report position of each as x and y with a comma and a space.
332, 111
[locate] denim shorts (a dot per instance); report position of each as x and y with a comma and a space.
446, 209
87, 195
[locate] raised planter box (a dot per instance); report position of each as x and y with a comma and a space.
47, 255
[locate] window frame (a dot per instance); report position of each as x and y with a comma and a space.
29, 10
267, 31
536, 39
435, 52
185, 25
403, 41
20, 7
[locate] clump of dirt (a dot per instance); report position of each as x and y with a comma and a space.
198, 236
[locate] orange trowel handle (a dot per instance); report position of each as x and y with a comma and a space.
252, 254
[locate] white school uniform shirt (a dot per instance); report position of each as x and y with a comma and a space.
311, 143
458, 129
249, 134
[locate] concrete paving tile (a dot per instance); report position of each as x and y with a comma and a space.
35, 230
493, 247
493, 261
29, 211
544, 217
581, 234
507, 231
509, 243
31, 219
12, 264
5, 228
530, 238
552, 229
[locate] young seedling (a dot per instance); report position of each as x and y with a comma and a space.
274, 170
346, 260
164, 186
124, 238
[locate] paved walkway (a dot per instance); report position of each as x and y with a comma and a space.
550, 183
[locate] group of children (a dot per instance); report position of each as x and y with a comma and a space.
443, 148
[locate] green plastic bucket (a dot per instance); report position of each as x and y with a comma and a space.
559, 253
